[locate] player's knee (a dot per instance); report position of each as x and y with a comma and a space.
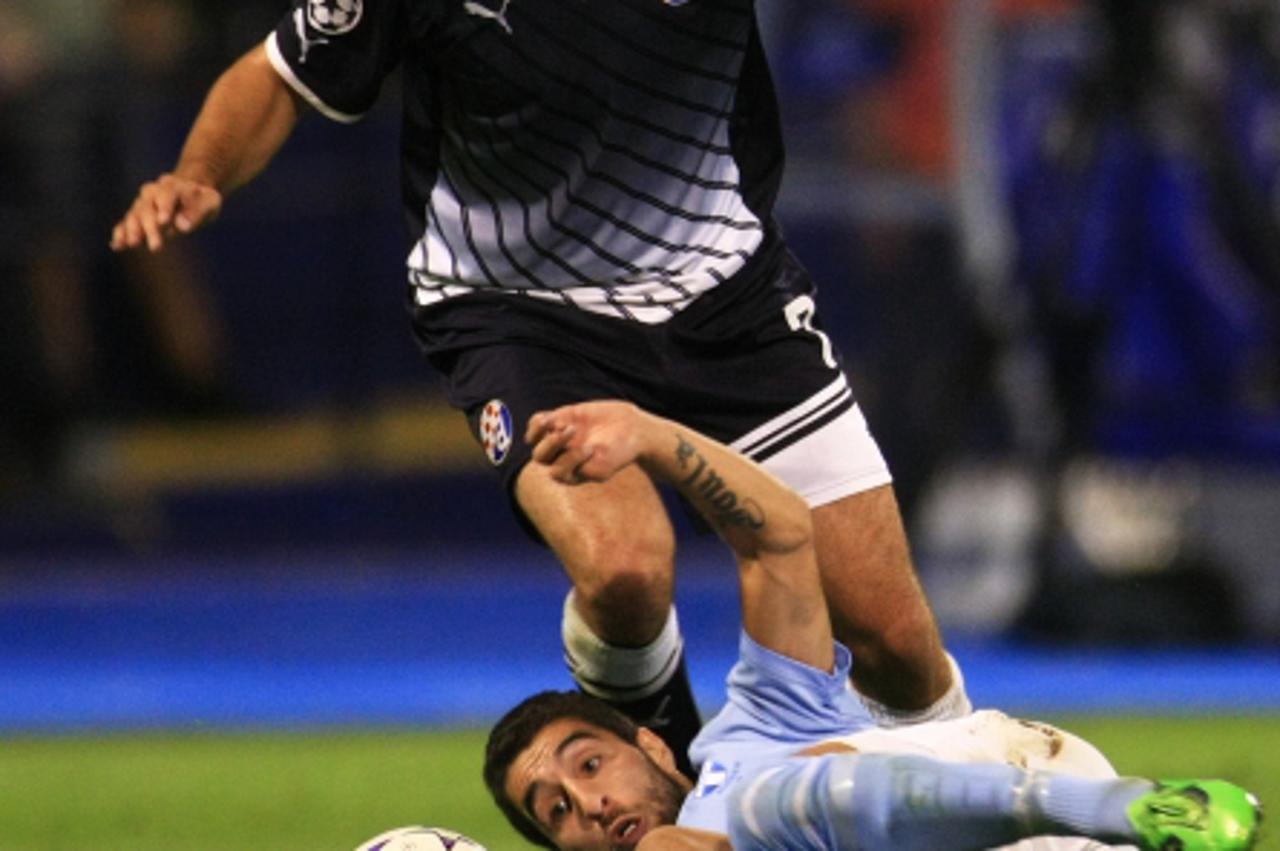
905, 636
913, 635
903, 663
625, 574
619, 568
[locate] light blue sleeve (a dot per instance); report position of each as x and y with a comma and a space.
776, 707
774, 700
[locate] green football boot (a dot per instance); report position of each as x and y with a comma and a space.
1196, 815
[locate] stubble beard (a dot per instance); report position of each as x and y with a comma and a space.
666, 792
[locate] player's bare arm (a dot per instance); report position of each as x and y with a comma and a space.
247, 116
766, 524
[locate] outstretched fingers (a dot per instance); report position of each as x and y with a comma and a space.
164, 208
148, 218
197, 205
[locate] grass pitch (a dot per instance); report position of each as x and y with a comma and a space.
331, 790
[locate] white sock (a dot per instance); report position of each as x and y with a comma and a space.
614, 673
953, 704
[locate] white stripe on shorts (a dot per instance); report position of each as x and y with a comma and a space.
821, 448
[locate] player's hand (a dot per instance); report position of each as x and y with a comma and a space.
587, 442
165, 207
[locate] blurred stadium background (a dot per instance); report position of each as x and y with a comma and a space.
231, 497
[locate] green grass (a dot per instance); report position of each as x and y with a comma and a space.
219, 792
316, 791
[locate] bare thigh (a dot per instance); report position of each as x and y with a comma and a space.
878, 607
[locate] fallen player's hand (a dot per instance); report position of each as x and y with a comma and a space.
165, 207
587, 442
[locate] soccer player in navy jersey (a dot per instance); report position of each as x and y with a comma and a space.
793, 761
589, 187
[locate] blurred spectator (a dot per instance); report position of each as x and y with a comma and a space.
24, 62
1144, 199
1143, 176
98, 95
1105, 185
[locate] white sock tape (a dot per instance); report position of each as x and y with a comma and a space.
619, 673
954, 703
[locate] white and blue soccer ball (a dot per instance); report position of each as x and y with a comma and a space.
419, 838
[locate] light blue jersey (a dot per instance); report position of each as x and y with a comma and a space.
777, 706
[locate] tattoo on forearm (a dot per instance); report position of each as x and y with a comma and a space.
723, 506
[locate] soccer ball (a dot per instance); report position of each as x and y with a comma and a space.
334, 17
419, 838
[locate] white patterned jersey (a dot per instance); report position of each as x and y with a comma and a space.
620, 156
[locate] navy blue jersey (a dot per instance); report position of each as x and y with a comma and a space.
620, 156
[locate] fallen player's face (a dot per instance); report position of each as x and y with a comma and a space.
588, 789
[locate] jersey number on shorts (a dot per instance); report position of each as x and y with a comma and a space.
799, 313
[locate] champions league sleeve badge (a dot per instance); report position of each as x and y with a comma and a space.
334, 17
495, 431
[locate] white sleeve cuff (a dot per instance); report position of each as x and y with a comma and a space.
285, 71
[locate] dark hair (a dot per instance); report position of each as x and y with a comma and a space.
516, 731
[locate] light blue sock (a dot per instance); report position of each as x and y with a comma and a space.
1078, 805
868, 802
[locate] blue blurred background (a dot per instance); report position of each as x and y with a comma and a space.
1047, 235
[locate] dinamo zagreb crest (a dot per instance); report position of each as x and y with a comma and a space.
496, 431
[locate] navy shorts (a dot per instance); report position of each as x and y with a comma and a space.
747, 364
